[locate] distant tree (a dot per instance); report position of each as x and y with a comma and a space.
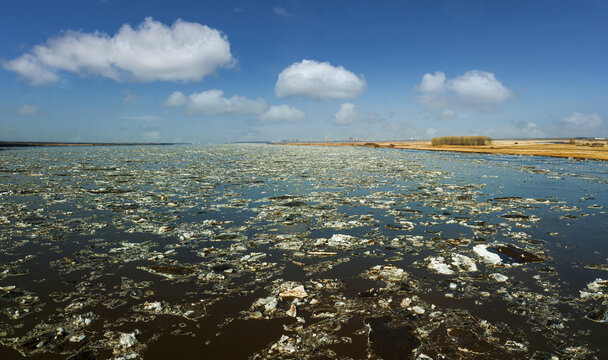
462, 140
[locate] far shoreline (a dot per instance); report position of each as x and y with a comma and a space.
11, 144
581, 149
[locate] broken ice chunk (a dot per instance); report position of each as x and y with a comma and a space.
127, 340
269, 303
498, 277
297, 292
292, 311
253, 257
165, 228
77, 338
386, 273
285, 345
341, 241
153, 306
463, 263
597, 284
489, 258
406, 302
438, 265
417, 309
595, 290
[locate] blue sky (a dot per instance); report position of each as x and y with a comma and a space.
270, 70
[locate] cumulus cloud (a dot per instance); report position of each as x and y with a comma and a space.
28, 110
432, 90
474, 89
319, 80
526, 129
479, 87
346, 115
30, 68
282, 113
176, 99
432, 83
583, 122
185, 51
213, 102
433, 100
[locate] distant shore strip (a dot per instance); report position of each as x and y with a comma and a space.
579, 149
34, 143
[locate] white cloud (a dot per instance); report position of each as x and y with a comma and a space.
346, 115
479, 87
432, 89
213, 102
282, 113
28, 110
318, 80
277, 10
433, 100
474, 89
176, 99
30, 68
578, 121
432, 82
185, 51
526, 129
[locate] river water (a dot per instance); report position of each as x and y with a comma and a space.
261, 251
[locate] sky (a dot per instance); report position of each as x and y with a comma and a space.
213, 72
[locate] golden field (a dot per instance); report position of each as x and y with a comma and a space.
581, 149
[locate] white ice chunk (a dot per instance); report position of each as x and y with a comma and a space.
463, 263
438, 265
489, 258
499, 277
127, 340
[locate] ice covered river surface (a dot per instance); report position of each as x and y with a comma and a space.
261, 251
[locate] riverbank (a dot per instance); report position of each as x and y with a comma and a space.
581, 149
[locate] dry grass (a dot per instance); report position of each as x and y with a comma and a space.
552, 148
